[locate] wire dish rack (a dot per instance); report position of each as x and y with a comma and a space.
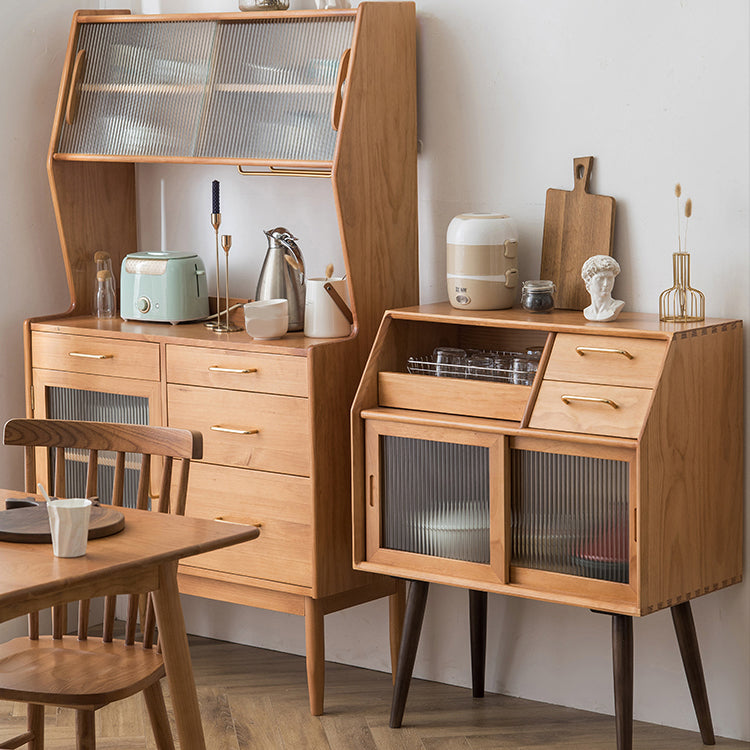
518, 368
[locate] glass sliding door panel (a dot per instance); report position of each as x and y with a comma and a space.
569, 514
435, 498
95, 406
142, 90
272, 89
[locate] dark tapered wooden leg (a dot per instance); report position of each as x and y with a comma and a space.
622, 660
478, 631
684, 626
416, 601
396, 610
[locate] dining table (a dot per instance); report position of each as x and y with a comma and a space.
142, 557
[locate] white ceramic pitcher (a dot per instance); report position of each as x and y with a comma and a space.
323, 317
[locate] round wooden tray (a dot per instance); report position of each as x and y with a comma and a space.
31, 525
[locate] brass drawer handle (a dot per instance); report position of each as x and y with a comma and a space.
583, 349
234, 430
235, 370
257, 524
90, 356
596, 399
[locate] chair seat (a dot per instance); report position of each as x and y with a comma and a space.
78, 674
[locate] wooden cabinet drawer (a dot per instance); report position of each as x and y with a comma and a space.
242, 371
95, 356
250, 430
606, 359
591, 409
280, 506
473, 398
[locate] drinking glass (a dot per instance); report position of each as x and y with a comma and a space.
480, 367
450, 362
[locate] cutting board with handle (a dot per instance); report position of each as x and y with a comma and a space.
577, 225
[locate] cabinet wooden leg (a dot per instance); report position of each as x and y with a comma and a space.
396, 609
684, 626
315, 654
478, 631
622, 659
415, 605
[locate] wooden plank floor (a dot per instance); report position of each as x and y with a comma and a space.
253, 698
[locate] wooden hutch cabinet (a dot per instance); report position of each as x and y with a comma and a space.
318, 93
608, 474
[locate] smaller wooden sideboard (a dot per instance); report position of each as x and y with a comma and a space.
610, 479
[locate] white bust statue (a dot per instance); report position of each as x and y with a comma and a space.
598, 273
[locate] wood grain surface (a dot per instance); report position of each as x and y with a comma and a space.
577, 225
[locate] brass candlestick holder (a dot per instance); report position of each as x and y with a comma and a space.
226, 326
681, 303
216, 223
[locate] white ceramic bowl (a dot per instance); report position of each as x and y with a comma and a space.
267, 319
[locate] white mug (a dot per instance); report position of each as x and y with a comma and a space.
69, 525
325, 4
323, 318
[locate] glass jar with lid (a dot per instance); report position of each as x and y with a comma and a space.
538, 295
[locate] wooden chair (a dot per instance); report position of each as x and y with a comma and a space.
78, 671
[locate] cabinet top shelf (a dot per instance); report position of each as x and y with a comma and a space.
568, 321
193, 334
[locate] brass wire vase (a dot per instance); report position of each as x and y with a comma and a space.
681, 303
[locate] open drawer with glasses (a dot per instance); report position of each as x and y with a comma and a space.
459, 369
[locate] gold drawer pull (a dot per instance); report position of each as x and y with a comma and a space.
598, 400
221, 519
583, 349
90, 356
234, 430
236, 370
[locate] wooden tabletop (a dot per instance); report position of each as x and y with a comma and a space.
31, 576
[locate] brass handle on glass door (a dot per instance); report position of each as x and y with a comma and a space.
338, 99
235, 430
567, 399
74, 90
583, 349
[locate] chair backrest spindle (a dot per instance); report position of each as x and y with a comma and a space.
92, 474
144, 483
59, 472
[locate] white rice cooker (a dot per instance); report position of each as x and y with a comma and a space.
482, 261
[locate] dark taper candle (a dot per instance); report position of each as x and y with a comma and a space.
215, 191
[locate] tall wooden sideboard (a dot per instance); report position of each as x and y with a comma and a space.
327, 94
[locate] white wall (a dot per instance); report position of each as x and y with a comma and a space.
510, 91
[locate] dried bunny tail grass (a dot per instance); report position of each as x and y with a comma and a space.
688, 213
678, 193
678, 190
